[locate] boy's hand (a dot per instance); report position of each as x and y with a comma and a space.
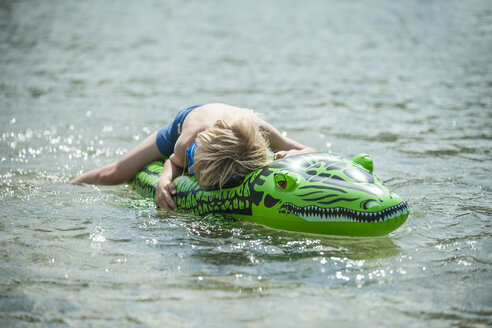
279, 155
292, 152
165, 189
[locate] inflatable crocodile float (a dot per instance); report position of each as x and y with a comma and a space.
314, 193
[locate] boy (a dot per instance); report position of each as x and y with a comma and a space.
215, 141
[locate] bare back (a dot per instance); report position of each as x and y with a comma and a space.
205, 116
200, 119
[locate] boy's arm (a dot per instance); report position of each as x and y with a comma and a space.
165, 188
172, 169
282, 145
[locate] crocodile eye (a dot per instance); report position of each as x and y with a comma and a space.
285, 180
282, 184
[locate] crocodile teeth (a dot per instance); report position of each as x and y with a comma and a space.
314, 213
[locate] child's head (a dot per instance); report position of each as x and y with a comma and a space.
233, 148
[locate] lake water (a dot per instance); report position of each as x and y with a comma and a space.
82, 82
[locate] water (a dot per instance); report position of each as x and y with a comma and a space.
82, 82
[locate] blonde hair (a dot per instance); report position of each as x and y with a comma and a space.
230, 148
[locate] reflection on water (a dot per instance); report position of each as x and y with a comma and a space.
81, 83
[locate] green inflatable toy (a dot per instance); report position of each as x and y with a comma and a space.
313, 193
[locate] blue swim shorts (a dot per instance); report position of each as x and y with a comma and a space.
169, 134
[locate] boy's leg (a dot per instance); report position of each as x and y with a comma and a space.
126, 168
